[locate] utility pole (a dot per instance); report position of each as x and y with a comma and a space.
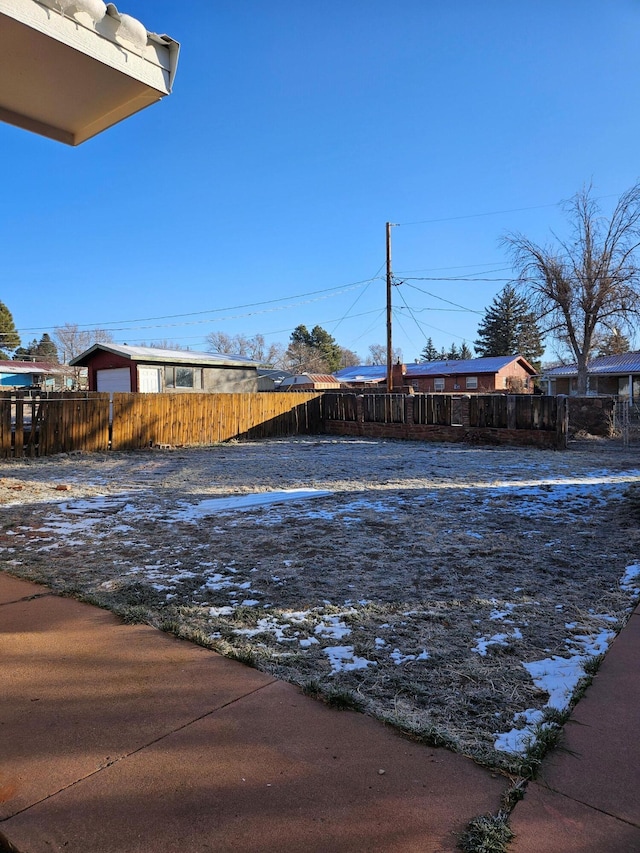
389, 286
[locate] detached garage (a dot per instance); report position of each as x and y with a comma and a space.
150, 370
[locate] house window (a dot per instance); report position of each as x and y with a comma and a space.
472, 383
183, 377
438, 384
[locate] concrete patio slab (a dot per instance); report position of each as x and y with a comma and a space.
548, 822
120, 738
13, 589
274, 771
81, 689
600, 755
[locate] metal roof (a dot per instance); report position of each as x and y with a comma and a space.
310, 379
164, 356
628, 362
469, 365
362, 373
378, 372
30, 367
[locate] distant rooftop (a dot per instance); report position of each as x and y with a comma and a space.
30, 367
166, 356
452, 367
628, 362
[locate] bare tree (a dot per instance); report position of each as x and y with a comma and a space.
220, 342
589, 284
254, 348
349, 358
71, 340
378, 354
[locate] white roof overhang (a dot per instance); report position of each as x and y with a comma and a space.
69, 69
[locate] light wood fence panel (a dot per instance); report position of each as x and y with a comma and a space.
144, 420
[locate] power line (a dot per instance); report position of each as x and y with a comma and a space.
329, 291
498, 212
448, 301
478, 215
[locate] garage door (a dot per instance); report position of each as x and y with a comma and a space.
116, 379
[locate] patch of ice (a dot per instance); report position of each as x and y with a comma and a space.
343, 659
239, 503
249, 602
308, 642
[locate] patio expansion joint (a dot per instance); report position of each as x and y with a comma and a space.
587, 805
111, 762
29, 598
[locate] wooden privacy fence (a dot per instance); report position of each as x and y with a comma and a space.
141, 420
70, 421
495, 418
44, 424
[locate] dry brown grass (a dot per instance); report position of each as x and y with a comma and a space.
420, 551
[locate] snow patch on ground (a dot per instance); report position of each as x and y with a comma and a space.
343, 659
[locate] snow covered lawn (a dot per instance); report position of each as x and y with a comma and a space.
454, 591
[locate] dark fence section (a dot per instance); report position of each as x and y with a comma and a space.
481, 418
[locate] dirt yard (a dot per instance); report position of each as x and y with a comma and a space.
456, 592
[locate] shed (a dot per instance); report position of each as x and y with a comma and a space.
118, 367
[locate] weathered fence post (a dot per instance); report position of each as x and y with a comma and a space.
511, 412
408, 409
562, 421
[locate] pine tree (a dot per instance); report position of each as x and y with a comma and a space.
429, 353
314, 351
615, 343
509, 327
453, 354
9, 337
27, 353
465, 352
46, 350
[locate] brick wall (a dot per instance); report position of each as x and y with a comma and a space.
420, 432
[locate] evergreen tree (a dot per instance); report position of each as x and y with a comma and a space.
46, 350
27, 353
314, 351
429, 353
42, 350
453, 354
509, 327
465, 352
9, 337
615, 343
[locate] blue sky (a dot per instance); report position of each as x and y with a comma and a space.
255, 197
